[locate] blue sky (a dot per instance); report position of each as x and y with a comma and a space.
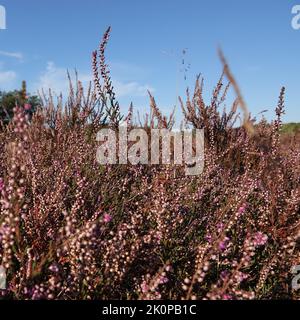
45, 38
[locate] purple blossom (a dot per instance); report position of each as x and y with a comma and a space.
107, 218
260, 239
27, 106
223, 244
54, 268
242, 210
241, 276
144, 287
224, 274
220, 226
208, 238
227, 297
163, 280
1, 184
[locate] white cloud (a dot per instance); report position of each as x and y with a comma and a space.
7, 79
53, 78
56, 79
132, 89
15, 55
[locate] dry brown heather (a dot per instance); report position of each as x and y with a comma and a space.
71, 229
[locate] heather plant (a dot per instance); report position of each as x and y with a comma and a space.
73, 229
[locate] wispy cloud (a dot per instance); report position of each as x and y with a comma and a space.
7, 79
16, 55
124, 70
133, 89
55, 78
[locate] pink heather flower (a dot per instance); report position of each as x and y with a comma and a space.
260, 239
223, 244
1, 184
227, 297
241, 276
3, 230
107, 217
208, 238
163, 280
220, 226
54, 268
158, 236
168, 268
242, 209
224, 274
27, 106
144, 287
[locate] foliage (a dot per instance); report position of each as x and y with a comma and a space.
8, 101
291, 128
72, 229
